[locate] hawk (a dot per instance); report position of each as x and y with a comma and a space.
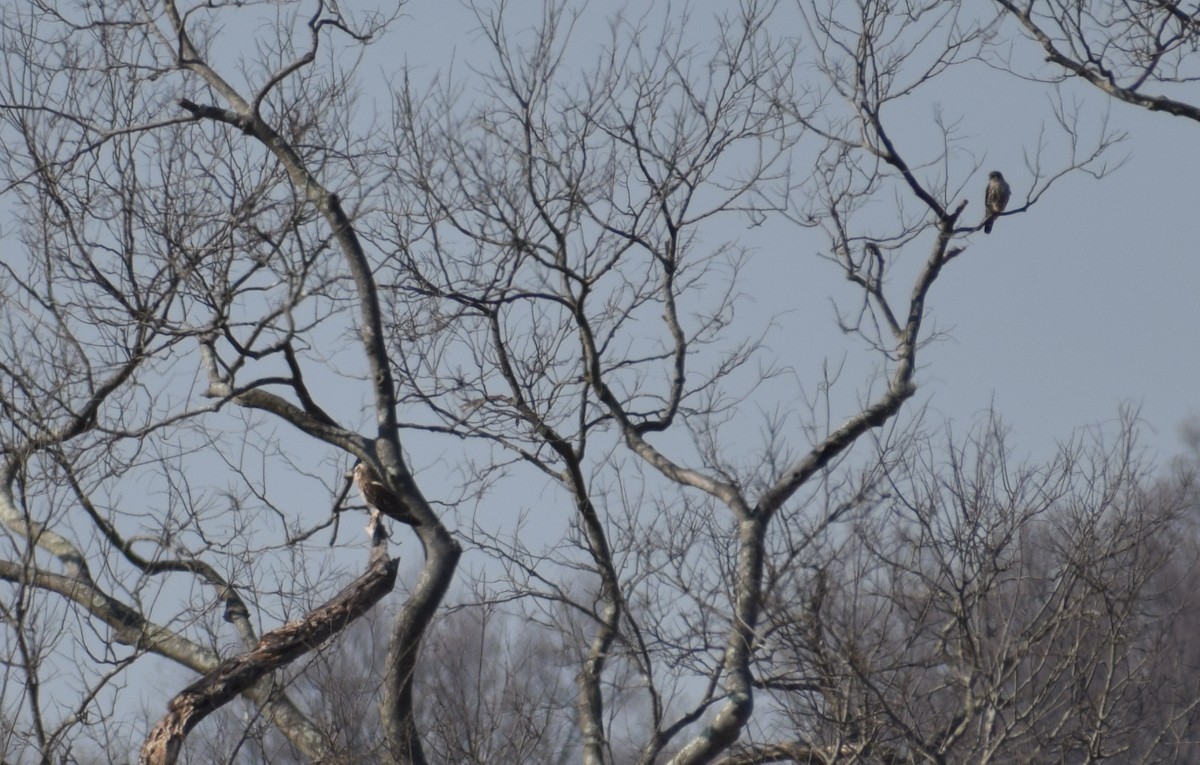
995, 199
379, 497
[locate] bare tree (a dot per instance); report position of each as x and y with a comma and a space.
993, 612
558, 232
231, 288
204, 238
1139, 53
974, 609
493, 689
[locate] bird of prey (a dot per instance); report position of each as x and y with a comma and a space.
995, 199
380, 498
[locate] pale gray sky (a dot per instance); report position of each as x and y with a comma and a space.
1087, 302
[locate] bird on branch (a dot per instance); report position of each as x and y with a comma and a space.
380, 498
995, 199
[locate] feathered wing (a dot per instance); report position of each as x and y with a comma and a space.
379, 497
995, 199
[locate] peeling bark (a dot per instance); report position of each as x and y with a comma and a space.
275, 649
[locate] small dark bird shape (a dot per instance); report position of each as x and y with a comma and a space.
379, 497
995, 199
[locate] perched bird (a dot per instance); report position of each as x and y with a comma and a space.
995, 199
380, 498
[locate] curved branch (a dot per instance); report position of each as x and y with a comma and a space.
128, 625
900, 387
330, 207
442, 552
1094, 74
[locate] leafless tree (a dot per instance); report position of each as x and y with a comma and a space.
993, 612
974, 610
1143, 54
200, 240
231, 287
494, 690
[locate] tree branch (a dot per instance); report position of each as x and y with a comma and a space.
275, 649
